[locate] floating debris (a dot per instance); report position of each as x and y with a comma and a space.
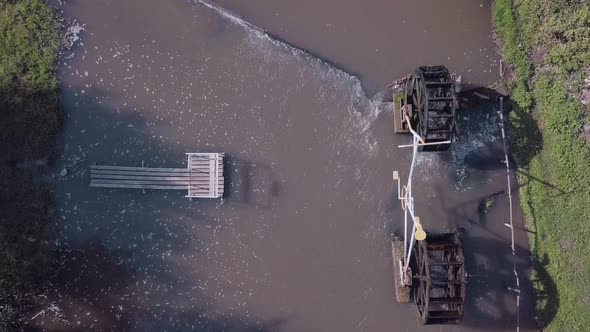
72, 35
64, 172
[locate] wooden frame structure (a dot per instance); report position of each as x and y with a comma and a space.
202, 178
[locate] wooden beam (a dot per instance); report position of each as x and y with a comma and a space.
184, 182
142, 169
203, 176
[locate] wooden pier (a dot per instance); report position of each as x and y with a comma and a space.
203, 176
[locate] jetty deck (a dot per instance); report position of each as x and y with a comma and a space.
202, 178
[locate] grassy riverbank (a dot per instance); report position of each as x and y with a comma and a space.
30, 120
547, 45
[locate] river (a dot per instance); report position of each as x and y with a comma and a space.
301, 240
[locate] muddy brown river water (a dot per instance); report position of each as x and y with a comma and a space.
301, 240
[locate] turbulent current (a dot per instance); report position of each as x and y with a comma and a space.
363, 110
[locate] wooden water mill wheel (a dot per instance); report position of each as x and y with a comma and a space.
431, 93
440, 292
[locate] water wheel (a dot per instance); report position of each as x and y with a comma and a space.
431, 92
440, 291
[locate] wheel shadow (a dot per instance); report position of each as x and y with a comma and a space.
491, 286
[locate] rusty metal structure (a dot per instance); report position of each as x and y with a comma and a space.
426, 109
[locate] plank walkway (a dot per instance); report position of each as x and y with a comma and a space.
203, 177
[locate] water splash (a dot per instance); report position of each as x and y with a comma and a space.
272, 38
363, 110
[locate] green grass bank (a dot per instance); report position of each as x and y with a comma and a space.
546, 45
30, 121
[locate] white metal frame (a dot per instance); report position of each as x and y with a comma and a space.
407, 200
213, 174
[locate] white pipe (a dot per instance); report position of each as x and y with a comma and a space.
410, 203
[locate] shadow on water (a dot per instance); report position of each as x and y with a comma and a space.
126, 257
489, 263
250, 183
491, 299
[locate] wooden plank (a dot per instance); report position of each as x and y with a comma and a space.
202, 178
200, 192
195, 182
186, 183
202, 186
133, 185
194, 190
185, 180
204, 154
204, 163
142, 169
130, 172
199, 189
193, 158
212, 177
148, 173
200, 165
202, 174
196, 176
139, 177
198, 159
128, 186
140, 186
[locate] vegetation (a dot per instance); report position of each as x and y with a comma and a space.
547, 45
30, 120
